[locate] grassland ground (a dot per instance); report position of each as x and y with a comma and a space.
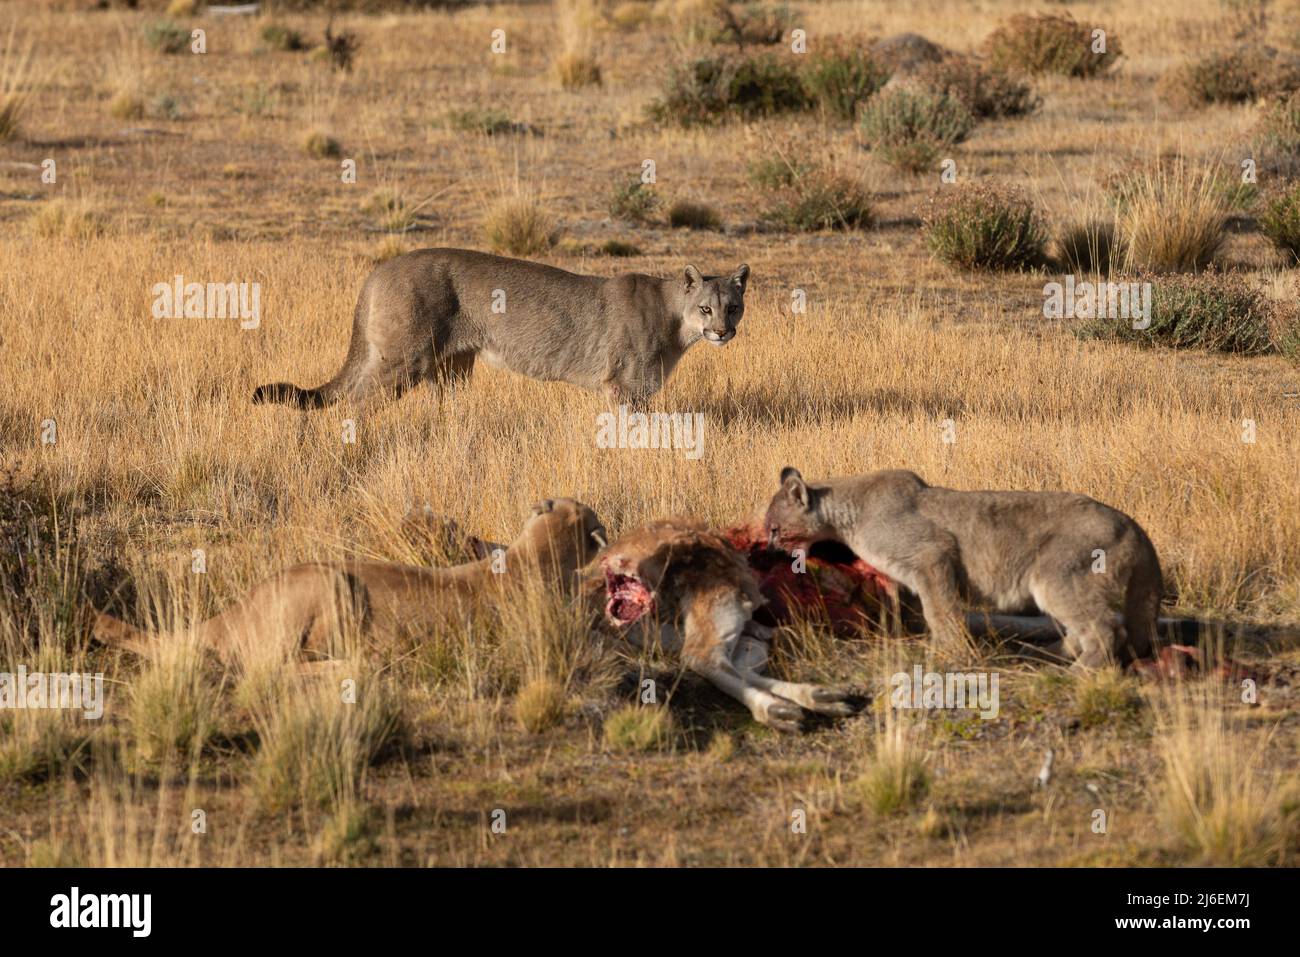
200, 171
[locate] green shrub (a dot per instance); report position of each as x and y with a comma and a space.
987, 94
1049, 43
909, 128
707, 90
982, 226
166, 37
1280, 222
633, 201
842, 77
1221, 312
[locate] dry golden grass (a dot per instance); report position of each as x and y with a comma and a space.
160, 452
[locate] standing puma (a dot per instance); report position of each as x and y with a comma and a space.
429, 313
1088, 566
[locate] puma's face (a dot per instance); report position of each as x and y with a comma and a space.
714, 306
793, 518
567, 529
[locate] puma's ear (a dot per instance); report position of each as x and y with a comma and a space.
693, 278
541, 508
793, 485
741, 277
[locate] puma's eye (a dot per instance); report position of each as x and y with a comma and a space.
706, 310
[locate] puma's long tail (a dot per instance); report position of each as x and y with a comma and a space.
287, 393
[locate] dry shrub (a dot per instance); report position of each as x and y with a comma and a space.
540, 705
576, 65
896, 777
321, 145
485, 120
631, 14
576, 70
987, 94
688, 214
707, 90
340, 48
750, 22
277, 36
166, 37
316, 741
985, 226
634, 201
1238, 75
1050, 43
1277, 136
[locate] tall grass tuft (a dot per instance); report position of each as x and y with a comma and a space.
896, 776
15, 74
173, 701
318, 737
1217, 800
576, 65
1171, 216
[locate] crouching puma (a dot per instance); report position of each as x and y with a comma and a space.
429, 313
302, 607
1091, 568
